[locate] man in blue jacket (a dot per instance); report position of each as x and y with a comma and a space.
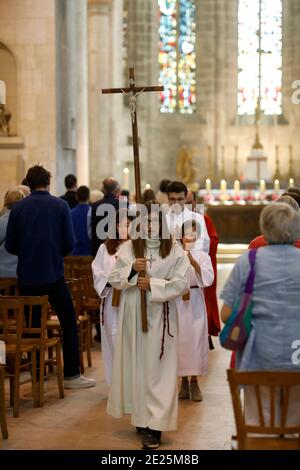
40, 233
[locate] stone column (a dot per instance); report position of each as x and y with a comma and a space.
82, 130
100, 112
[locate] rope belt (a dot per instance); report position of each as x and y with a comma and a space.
102, 305
166, 325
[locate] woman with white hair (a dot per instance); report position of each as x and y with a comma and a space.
276, 306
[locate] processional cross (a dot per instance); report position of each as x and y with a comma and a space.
133, 92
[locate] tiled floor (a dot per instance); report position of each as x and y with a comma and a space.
80, 422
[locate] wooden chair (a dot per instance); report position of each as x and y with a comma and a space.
35, 333
12, 332
83, 323
90, 301
72, 262
8, 286
3, 424
265, 436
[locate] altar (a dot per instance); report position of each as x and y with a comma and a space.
235, 223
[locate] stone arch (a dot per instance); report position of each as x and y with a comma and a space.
8, 73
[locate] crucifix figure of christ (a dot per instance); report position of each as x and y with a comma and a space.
133, 92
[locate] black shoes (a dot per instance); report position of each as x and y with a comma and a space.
151, 439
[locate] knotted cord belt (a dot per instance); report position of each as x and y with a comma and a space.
166, 325
102, 305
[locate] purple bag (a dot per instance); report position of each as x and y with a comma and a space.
235, 333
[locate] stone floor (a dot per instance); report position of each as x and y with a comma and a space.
80, 422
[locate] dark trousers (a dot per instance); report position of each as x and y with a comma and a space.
61, 302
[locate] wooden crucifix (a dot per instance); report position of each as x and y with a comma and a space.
133, 92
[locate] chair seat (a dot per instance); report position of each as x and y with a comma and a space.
49, 342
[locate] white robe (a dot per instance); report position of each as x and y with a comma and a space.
175, 222
102, 267
143, 384
192, 320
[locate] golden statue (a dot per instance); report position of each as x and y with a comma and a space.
185, 170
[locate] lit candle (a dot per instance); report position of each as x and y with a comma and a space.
223, 186
236, 186
126, 178
262, 186
147, 186
208, 185
291, 182
276, 185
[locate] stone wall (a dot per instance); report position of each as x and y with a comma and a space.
215, 122
27, 29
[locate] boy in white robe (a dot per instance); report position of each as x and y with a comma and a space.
192, 315
144, 381
110, 298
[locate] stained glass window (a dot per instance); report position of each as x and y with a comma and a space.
177, 55
260, 56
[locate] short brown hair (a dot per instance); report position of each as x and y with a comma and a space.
38, 177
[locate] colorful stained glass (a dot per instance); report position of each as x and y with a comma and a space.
260, 56
187, 56
177, 55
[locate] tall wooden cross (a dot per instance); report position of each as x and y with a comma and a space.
133, 92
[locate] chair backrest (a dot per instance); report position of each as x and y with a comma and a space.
8, 285
71, 262
74, 286
87, 284
11, 321
272, 430
34, 311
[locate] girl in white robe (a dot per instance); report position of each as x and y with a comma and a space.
144, 381
102, 266
192, 316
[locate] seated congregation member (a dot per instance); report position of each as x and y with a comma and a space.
275, 314
260, 240
71, 194
179, 213
102, 266
83, 246
40, 234
8, 262
144, 379
192, 316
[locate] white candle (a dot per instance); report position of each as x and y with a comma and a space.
2, 92
262, 186
236, 186
126, 178
276, 185
223, 186
291, 182
208, 185
147, 186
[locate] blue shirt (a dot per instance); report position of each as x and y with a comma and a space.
83, 245
8, 262
275, 331
40, 233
